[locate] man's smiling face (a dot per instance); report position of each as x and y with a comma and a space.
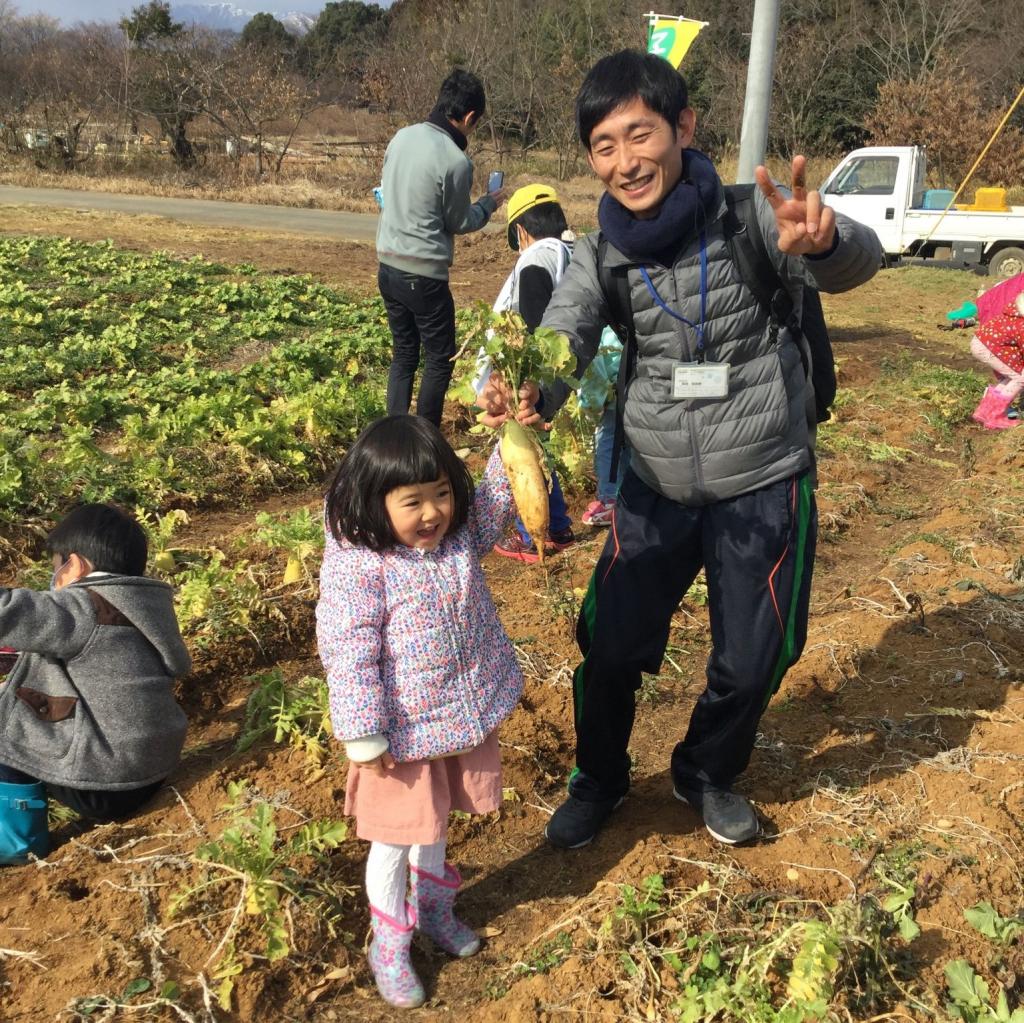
638, 155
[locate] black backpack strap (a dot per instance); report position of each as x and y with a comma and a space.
759, 273
746, 245
615, 289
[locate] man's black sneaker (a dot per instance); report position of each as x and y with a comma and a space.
576, 822
727, 815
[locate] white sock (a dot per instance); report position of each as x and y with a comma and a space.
429, 858
387, 878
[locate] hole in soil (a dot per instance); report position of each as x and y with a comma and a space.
74, 891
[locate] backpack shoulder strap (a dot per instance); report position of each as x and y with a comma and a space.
747, 247
615, 290
749, 253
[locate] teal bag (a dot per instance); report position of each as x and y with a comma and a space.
598, 385
24, 827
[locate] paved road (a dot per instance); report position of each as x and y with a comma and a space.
360, 227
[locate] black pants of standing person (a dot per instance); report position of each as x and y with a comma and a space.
757, 552
421, 314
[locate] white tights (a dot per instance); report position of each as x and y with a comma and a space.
387, 873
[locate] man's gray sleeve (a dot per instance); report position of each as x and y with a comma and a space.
460, 215
578, 310
853, 261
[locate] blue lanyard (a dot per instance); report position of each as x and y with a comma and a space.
696, 327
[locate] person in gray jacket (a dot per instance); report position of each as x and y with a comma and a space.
88, 714
719, 418
426, 202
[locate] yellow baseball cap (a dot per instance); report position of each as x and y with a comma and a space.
523, 199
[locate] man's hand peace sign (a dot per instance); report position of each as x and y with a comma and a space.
806, 225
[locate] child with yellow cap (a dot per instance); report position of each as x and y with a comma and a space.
538, 231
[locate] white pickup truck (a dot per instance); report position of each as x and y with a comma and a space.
884, 188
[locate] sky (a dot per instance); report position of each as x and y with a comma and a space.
72, 11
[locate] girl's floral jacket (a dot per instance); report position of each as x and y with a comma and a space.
411, 640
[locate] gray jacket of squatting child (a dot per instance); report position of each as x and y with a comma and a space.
90, 702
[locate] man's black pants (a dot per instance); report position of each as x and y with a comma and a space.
421, 313
757, 551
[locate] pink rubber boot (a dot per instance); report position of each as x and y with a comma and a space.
433, 898
389, 959
991, 412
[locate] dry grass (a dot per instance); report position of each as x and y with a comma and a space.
344, 183
341, 184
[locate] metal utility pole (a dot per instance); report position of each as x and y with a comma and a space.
758, 101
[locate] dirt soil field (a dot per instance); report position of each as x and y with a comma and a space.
892, 751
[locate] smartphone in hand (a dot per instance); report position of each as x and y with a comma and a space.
495, 181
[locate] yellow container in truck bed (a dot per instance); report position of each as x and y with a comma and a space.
987, 200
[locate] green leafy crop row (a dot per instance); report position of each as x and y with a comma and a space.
156, 381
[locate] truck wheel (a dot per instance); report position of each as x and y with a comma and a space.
1007, 262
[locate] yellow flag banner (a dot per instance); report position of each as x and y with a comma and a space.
671, 37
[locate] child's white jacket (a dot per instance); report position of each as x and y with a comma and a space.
411, 640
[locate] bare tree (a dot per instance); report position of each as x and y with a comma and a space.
911, 37
69, 77
918, 112
7, 15
160, 67
818, 43
250, 90
531, 54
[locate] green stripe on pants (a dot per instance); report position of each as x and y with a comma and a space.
588, 615
805, 496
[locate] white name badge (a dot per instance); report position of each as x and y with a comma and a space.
700, 380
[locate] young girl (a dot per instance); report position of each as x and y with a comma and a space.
420, 673
999, 344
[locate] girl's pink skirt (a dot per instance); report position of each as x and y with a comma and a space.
410, 803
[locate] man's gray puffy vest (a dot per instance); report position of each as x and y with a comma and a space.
697, 451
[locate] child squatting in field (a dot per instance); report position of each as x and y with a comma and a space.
998, 343
420, 673
88, 710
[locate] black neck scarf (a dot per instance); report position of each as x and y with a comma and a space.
437, 118
684, 213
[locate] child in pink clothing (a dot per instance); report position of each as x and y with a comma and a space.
420, 672
999, 344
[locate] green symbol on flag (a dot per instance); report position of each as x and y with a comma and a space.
662, 42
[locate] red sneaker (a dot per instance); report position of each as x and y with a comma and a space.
598, 513
512, 546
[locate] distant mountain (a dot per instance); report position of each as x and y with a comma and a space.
228, 17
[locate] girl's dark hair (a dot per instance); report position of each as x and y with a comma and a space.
622, 77
461, 93
544, 221
111, 539
396, 451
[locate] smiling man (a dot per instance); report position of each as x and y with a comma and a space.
719, 418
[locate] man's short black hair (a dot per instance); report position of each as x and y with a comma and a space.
109, 538
395, 451
461, 93
544, 221
622, 77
